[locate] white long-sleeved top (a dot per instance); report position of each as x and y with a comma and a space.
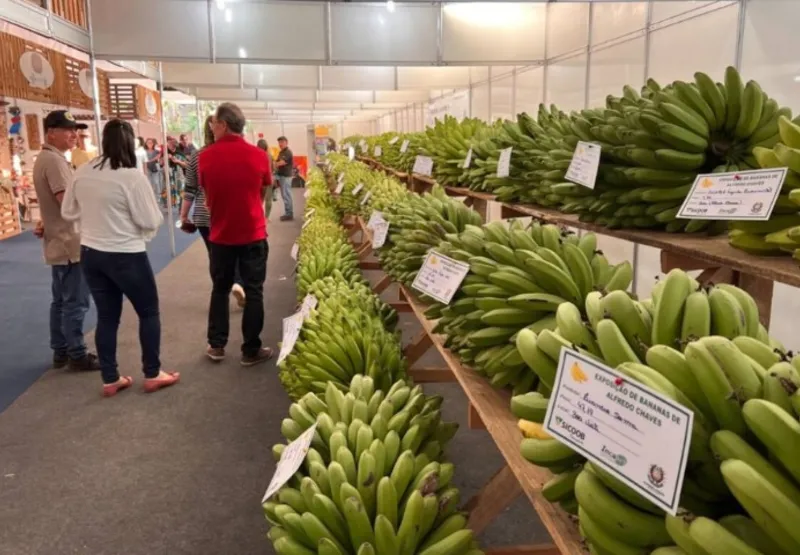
116, 209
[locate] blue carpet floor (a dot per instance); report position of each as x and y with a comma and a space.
25, 307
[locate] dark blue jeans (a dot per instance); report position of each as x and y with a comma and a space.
111, 275
67, 311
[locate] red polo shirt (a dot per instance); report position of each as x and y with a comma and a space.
233, 173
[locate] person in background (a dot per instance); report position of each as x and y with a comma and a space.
154, 173
176, 163
52, 178
272, 192
141, 155
80, 154
194, 195
235, 176
285, 165
118, 214
186, 147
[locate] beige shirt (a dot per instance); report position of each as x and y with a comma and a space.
52, 174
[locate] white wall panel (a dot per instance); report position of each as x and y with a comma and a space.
516, 31
566, 83
266, 76
502, 97
286, 94
163, 29
614, 67
478, 74
211, 93
371, 33
297, 134
270, 132
400, 96
357, 78
530, 89
568, 28
480, 102
706, 43
269, 30
350, 127
345, 96
771, 46
456, 105
615, 19
201, 73
669, 9
432, 77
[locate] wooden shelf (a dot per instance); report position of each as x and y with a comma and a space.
492, 407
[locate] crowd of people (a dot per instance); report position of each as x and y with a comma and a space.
98, 216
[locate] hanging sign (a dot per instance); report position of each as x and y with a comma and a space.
404, 146
423, 165
467, 160
440, 276
504, 162
585, 162
36, 69
291, 459
747, 195
632, 431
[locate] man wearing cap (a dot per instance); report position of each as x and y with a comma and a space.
52, 174
284, 165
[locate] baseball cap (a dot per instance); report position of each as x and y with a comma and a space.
62, 119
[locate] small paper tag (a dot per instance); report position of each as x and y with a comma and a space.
585, 162
307, 193
746, 195
358, 188
404, 146
378, 151
374, 218
468, 159
366, 198
292, 458
394, 139
294, 252
504, 162
309, 304
291, 331
381, 230
351, 153
423, 165
440, 276
339, 188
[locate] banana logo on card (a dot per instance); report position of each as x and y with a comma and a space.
707, 183
578, 374
434, 261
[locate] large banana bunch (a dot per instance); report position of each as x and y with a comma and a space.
518, 279
417, 225
781, 234
344, 336
373, 481
323, 251
406, 159
447, 143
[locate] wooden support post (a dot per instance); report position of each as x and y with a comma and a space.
384, 282
481, 207
369, 265
417, 348
474, 420
497, 494
671, 260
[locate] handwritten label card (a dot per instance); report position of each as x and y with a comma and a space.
351, 153
394, 139
291, 459
423, 165
358, 188
504, 162
748, 195
374, 218
339, 186
467, 160
381, 230
440, 276
309, 304
630, 430
291, 331
404, 146
585, 162
295, 250
378, 151
366, 198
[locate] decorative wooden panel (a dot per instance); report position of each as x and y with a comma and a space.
9, 220
5, 148
76, 71
73, 11
146, 98
32, 128
123, 101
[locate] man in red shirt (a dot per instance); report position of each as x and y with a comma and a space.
235, 176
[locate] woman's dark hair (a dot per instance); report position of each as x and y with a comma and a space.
208, 135
140, 142
119, 145
262, 144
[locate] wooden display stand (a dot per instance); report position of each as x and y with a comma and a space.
488, 409
9, 215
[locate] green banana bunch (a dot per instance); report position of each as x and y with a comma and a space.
374, 480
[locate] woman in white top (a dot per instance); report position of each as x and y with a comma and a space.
118, 214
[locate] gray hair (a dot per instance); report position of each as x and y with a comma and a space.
233, 117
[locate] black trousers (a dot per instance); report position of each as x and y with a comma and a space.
251, 261
205, 232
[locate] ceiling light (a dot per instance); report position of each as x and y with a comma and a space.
228, 15
242, 52
390, 5
797, 79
